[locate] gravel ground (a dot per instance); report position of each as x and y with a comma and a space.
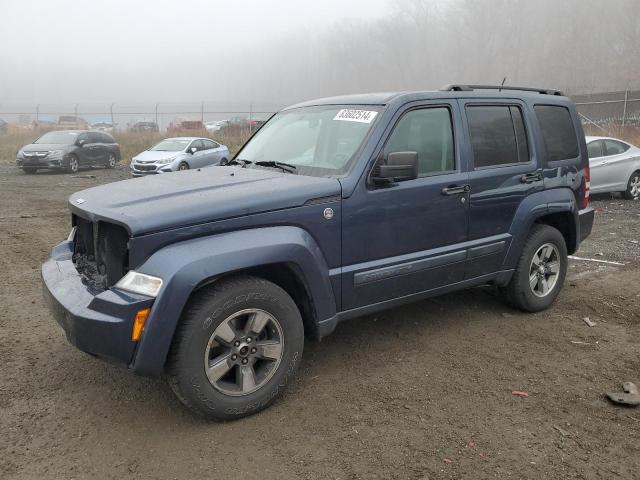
418, 392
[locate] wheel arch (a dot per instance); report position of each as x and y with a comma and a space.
556, 207
286, 256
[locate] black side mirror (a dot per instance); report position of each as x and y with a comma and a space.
193, 150
81, 142
399, 167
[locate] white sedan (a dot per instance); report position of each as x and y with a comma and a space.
615, 166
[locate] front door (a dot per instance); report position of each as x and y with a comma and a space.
405, 238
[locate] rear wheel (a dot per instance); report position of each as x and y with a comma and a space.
540, 272
183, 166
633, 187
29, 170
238, 344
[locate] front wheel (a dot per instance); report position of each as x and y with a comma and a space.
238, 344
633, 187
540, 272
183, 166
111, 161
73, 164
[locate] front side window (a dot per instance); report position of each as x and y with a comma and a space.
428, 132
594, 149
558, 132
318, 141
615, 148
498, 135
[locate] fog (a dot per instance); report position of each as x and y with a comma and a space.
283, 51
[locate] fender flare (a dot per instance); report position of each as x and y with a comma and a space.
535, 206
185, 265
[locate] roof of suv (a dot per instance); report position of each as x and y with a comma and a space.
385, 98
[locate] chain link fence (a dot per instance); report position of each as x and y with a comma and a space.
606, 110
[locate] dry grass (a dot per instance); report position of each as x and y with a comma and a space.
130, 143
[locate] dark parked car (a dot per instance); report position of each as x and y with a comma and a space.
69, 150
144, 127
336, 208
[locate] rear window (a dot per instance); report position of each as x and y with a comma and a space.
498, 135
558, 132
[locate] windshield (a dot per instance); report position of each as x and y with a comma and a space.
62, 138
171, 145
318, 141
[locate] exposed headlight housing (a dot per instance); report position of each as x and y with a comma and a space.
55, 153
140, 283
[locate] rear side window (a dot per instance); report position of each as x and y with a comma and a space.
615, 148
558, 132
428, 132
498, 135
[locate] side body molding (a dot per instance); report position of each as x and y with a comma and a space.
185, 265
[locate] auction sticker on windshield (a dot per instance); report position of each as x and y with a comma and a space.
362, 116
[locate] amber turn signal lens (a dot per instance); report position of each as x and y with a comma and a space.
138, 324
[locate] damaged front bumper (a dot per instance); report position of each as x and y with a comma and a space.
96, 322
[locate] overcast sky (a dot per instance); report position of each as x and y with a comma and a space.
84, 50
269, 53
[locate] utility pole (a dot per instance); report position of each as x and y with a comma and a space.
157, 115
113, 124
624, 109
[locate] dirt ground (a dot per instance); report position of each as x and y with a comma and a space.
418, 392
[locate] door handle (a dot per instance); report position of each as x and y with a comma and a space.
456, 189
531, 177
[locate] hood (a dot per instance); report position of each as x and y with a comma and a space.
44, 147
159, 202
153, 156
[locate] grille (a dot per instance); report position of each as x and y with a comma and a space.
100, 252
145, 168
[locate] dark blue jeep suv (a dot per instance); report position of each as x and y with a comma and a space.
334, 209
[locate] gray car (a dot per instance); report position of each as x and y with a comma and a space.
180, 153
615, 166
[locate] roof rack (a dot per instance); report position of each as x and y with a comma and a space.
471, 88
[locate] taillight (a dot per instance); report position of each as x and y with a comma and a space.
587, 187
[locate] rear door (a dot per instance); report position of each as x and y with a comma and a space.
502, 173
615, 165
211, 152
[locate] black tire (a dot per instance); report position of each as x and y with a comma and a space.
111, 161
183, 166
74, 164
519, 292
223, 162
633, 187
205, 312
29, 170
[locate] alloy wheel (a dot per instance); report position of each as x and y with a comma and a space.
244, 352
73, 164
634, 187
544, 270
112, 161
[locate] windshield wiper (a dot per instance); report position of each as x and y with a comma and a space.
239, 161
286, 167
